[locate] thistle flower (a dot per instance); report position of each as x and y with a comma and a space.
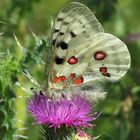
74, 112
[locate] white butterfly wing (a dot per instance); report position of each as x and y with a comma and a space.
82, 48
110, 58
100, 56
71, 21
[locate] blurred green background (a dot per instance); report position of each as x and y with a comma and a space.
120, 118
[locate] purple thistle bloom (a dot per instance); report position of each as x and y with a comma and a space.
73, 112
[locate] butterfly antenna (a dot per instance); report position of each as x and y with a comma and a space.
26, 73
38, 40
30, 28
34, 35
18, 43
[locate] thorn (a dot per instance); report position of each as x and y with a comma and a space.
18, 43
22, 97
38, 40
22, 129
30, 77
23, 50
94, 138
34, 35
20, 121
21, 136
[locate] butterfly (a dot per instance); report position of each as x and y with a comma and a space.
82, 53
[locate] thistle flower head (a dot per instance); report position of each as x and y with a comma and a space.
74, 112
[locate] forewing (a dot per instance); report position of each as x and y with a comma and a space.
73, 21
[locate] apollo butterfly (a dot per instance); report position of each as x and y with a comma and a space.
82, 53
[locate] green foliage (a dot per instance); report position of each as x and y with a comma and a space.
9, 68
103, 9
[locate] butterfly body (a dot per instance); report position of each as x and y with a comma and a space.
82, 53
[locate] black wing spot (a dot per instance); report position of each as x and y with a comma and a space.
56, 30
61, 33
59, 19
63, 45
59, 60
73, 34
31, 88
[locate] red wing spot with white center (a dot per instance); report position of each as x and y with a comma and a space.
72, 60
104, 72
78, 81
100, 55
103, 69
